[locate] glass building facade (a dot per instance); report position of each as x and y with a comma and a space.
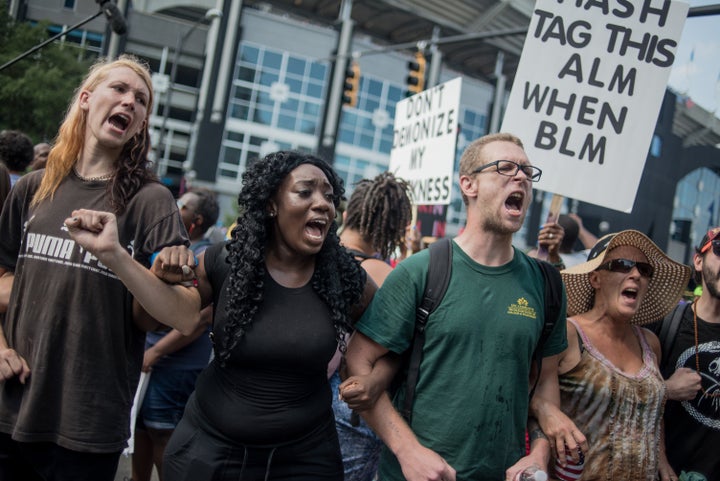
276, 101
696, 205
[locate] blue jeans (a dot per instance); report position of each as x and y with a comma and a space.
167, 393
359, 445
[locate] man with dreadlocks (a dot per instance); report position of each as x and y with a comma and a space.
377, 214
285, 293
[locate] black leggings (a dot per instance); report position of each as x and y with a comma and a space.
198, 452
50, 462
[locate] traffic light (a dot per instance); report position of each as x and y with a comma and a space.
416, 77
352, 84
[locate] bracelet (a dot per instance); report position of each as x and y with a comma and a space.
558, 265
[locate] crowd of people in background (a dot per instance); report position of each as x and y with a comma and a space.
281, 352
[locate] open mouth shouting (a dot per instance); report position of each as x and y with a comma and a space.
514, 203
120, 122
630, 298
316, 229
630, 294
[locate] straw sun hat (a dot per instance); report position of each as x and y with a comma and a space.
664, 291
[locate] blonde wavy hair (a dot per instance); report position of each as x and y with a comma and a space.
70, 140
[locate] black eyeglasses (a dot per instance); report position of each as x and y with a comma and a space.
626, 265
510, 169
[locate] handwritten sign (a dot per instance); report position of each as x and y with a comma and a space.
424, 137
588, 91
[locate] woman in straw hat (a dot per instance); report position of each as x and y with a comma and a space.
610, 387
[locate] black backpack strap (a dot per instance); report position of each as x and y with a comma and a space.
361, 255
438, 278
668, 330
217, 267
553, 305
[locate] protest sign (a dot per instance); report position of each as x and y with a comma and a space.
588, 90
431, 220
424, 142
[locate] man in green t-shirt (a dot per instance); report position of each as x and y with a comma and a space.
471, 401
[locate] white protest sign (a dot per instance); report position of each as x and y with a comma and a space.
424, 137
588, 91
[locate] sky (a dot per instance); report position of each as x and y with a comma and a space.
696, 71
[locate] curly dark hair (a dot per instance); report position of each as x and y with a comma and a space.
380, 209
338, 278
16, 150
132, 171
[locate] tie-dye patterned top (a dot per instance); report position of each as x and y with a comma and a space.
619, 414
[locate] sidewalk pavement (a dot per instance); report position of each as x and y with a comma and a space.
125, 470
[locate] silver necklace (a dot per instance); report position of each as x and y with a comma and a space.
99, 178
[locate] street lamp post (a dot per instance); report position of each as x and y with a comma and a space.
211, 14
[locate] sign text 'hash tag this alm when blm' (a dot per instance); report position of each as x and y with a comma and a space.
588, 91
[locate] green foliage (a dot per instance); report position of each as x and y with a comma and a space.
35, 91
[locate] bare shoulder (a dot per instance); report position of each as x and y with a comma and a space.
652, 341
571, 356
377, 269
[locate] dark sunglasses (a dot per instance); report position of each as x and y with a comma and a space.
626, 265
715, 244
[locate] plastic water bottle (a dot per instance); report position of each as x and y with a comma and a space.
533, 473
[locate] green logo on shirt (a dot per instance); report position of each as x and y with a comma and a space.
521, 308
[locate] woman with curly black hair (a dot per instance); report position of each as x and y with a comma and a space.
72, 348
285, 293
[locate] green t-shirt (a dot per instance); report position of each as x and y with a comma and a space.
471, 399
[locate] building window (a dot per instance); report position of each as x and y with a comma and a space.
278, 98
278, 89
473, 124
69, 4
656, 146
696, 199
89, 43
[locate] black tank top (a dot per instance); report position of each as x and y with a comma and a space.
274, 387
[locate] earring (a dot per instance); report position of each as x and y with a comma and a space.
273, 213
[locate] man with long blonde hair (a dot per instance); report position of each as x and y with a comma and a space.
70, 363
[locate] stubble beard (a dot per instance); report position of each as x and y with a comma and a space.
495, 225
712, 281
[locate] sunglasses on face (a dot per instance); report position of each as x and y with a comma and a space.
626, 265
715, 244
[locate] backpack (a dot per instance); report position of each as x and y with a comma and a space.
438, 278
667, 330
